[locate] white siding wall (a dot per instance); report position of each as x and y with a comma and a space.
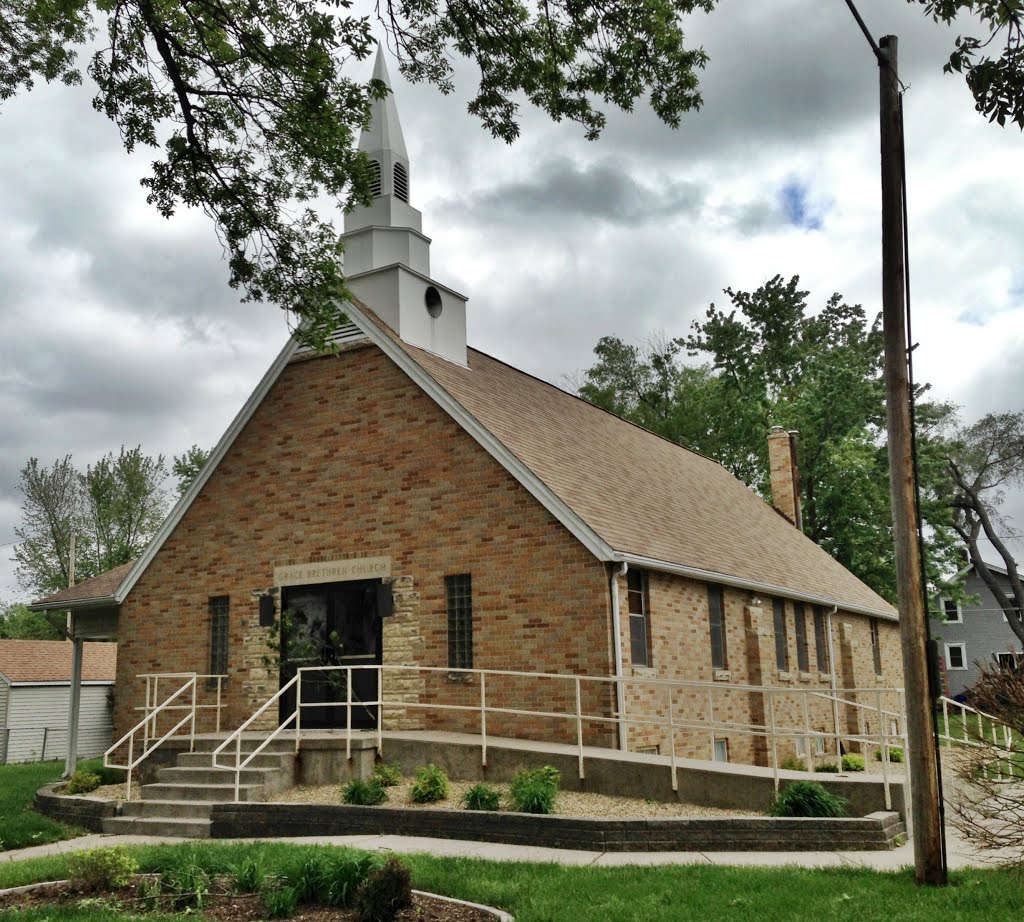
4, 690
35, 707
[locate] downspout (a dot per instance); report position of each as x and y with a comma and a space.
835, 687
620, 692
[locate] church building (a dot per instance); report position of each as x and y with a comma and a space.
409, 501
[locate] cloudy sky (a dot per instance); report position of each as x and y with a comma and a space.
117, 327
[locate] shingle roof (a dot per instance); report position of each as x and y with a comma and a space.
31, 661
99, 588
645, 496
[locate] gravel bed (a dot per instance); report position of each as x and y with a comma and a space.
569, 803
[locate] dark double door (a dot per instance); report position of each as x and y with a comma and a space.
332, 624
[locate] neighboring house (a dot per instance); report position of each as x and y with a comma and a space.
975, 633
35, 682
412, 501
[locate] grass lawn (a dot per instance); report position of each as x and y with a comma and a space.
20, 825
550, 893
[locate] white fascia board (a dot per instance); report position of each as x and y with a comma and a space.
226, 441
57, 682
485, 438
737, 582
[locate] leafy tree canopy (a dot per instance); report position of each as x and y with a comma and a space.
252, 118
982, 460
18, 623
771, 361
112, 509
186, 467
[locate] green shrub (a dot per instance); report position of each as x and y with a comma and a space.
534, 791
430, 786
248, 876
102, 868
280, 902
385, 893
895, 754
110, 775
481, 797
793, 764
387, 774
329, 877
363, 793
82, 782
830, 767
807, 798
853, 763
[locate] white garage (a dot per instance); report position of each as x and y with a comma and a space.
35, 688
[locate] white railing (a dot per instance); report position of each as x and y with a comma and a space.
183, 698
672, 723
987, 731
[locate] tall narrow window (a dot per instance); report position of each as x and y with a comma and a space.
716, 624
781, 636
459, 593
639, 626
800, 626
219, 608
876, 647
821, 639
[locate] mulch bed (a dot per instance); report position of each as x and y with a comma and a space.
224, 906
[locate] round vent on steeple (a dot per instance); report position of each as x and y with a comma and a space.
432, 298
374, 177
401, 182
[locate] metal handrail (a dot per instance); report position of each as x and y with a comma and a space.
979, 739
236, 736
144, 725
672, 722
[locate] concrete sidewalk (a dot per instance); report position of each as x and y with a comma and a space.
961, 855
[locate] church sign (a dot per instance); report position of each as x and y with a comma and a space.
332, 571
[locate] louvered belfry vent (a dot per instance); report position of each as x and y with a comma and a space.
401, 182
374, 177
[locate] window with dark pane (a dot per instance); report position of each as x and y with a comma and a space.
800, 626
219, 608
459, 593
716, 625
639, 624
781, 636
876, 647
820, 639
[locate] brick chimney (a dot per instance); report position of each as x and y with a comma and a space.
784, 473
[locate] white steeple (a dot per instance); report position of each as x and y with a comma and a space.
387, 257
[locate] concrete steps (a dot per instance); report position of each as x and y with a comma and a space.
180, 802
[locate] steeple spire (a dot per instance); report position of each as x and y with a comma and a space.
387, 257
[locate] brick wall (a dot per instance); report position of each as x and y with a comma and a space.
680, 650
347, 458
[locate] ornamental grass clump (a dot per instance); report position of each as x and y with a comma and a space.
430, 786
481, 797
360, 793
807, 798
535, 791
387, 774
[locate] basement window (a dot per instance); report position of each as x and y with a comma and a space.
721, 751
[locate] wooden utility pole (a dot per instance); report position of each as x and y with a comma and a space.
925, 809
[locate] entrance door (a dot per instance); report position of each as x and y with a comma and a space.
332, 624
